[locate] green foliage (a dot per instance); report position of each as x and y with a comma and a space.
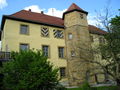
74, 89
97, 88
29, 70
115, 21
60, 87
113, 39
1, 76
85, 86
105, 88
111, 50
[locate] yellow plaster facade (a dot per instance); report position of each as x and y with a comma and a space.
12, 38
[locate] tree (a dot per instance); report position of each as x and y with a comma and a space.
1, 76
111, 50
29, 70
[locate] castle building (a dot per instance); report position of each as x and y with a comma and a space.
65, 41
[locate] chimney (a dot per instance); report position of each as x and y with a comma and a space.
42, 12
29, 10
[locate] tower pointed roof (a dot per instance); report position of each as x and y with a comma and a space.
74, 7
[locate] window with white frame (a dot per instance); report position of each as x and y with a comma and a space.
70, 36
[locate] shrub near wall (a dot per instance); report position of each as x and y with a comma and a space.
29, 70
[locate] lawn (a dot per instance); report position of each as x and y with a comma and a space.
97, 88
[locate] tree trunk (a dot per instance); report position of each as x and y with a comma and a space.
96, 79
118, 83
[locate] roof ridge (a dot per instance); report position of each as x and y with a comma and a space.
36, 13
16, 12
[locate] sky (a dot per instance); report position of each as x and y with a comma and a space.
57, 7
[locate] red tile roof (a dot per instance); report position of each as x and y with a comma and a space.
39, 18
43, 18
95, 30
73, 7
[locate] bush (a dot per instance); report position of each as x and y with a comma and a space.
29, 70
61, 87
85, 86
106, 88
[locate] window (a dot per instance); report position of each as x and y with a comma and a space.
101, 40
72, 53
24, 29
61, 52
81, 16
87, 75
44, 32
62, 72
45, 49
5, 55
24, 46
91, 38
58, 33
70, 36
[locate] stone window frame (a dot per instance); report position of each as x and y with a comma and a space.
73, 54
91, 38
28, 46
23, 32
62, 72
70, 36
81, 16
48, 51
101, 40
61, 54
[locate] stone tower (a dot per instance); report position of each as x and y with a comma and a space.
77, 44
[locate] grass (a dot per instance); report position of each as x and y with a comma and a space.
73, 89
98, 88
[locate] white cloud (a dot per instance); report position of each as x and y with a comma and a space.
59, 13
55, 12
3, 4
34, 8
50, 11
92, 20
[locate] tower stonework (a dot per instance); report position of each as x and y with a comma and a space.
77, 44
